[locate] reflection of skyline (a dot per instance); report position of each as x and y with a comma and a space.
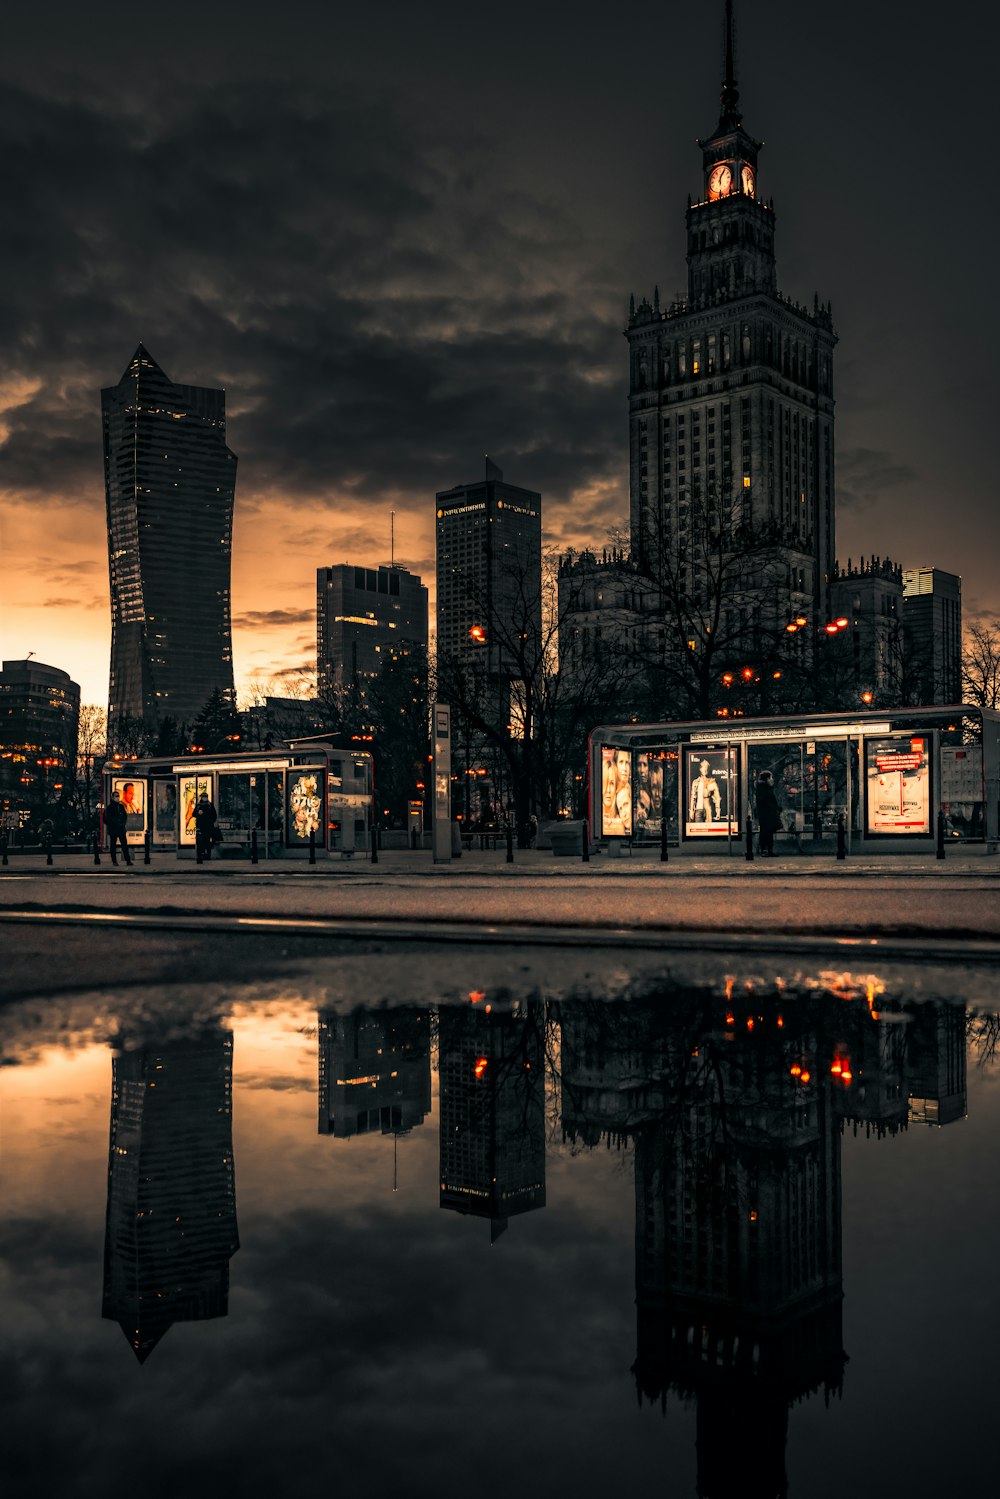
492, 1091
374, 1071
171, 1217
736, 1109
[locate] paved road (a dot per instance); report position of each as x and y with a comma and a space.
956, 899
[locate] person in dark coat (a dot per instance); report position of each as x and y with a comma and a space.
768, 814
115, 822
205, 818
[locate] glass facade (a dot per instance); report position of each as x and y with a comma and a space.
170, 482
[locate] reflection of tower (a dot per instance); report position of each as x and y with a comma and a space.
374, 1071
171, 1222
492, 1112
738, 1246
936, 1063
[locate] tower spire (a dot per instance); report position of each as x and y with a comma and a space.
730, 116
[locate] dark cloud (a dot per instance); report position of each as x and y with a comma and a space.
377, 305
256, 617
865, 475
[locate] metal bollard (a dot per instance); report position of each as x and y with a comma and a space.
253, 845
664, 851
841, 837
374, 844
48, 852
97, 849
6, 840
510, 845
312, 847
940, 835
749, 839
586, 841
146, 844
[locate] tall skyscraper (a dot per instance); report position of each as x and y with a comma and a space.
731, 386
489, 570
365, 616
170, 482
492, 1082
171, 1221
374, 1071
932, 623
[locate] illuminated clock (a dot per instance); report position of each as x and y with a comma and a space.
720, 180
748, 182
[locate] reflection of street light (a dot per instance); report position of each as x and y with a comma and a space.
477, 633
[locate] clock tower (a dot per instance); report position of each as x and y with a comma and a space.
731, 386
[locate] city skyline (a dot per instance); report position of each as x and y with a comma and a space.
317, 380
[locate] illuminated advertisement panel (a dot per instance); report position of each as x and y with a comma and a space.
654, 789
306, 811
165, 810
616, 792
133, 799
898, 786
710, 792
191, 788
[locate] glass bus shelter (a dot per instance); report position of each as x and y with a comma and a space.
884, 775
283, 796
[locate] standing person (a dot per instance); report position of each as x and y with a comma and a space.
115, 822
205, 818
768, 815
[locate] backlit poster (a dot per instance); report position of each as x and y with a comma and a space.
898, 786
305, 806
165, 810
191, 788
133, 799
710, 793
654, 785
616, 792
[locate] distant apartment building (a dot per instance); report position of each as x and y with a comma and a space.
932, 621
170, 483
489, 571
39, 719
607, 616
365, 616
869, 596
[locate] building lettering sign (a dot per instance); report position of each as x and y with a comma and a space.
796, 731
460, 510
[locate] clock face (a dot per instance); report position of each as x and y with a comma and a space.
748, 182
720, 180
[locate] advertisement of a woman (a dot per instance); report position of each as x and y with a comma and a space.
616, 792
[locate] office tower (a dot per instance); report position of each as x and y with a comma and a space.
364, 617
731, 386
936, 1062
171, 1220
492, 1082
489, 573
932, 624
869, 595
39, 717
374, 1071
170, 482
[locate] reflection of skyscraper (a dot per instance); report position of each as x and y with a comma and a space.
936, 1063
374, 1071
171, 1221
170, 482
492, 1112
738, 1244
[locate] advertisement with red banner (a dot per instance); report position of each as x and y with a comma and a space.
898, 786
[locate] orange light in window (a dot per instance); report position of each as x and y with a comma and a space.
481, 1065
476, 995
795, 1070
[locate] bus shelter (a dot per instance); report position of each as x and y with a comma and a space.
309, 793
883, 775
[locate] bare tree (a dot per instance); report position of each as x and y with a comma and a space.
91, 749
981, 665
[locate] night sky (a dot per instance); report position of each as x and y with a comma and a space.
402, 237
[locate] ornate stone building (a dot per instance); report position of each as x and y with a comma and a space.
731, 387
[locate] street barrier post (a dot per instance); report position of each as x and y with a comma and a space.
586, 841
312, 846
253, 846
841, 837
146, 842
374, 844
510, 845
97, 849
940, 835
749, 839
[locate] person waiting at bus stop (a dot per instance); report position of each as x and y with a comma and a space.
115, 822
768, 812
205, 818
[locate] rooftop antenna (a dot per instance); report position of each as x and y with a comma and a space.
395, 1179
392, 538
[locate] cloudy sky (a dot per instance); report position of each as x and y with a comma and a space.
402, 237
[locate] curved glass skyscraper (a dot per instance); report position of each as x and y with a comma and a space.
171, 482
